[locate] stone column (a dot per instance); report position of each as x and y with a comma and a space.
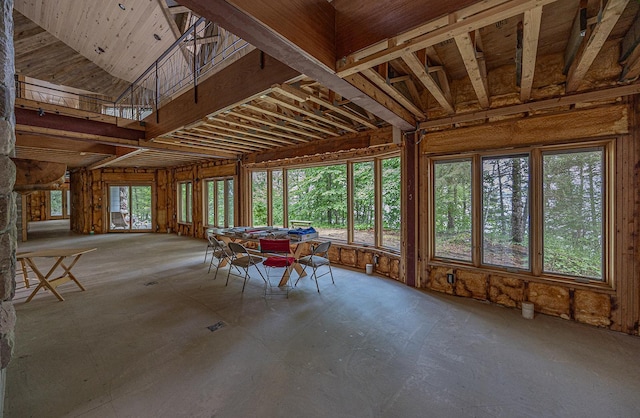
7, 196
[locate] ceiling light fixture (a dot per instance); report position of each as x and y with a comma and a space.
121, 6
40, 112
155, 35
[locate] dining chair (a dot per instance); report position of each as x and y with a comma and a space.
210, 245
319, 257
241, 258
278, 251
220, 252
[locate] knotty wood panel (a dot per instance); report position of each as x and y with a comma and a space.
552, 128
218, 171
360, 23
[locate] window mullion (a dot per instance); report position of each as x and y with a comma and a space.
378, 201
350, 191
476, 203
535, 209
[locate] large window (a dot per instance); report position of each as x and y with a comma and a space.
185, 202
557, 231
319, 195
259, 198
391, 197
130, 208
505, 211
364, 205
355, 202
573, 199
218, 202
453, 220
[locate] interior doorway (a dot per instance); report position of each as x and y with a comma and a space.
130, 208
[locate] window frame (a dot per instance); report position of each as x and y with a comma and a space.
536, 207
348, 162
228, 202
130, 186
188, 201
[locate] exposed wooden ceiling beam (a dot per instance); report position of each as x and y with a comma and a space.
302, 95
307, 46
381, 97
610, 15
240, 136
419, 70
264, 129
587, 97
475, 65
115, 158
208, 141
241, 129
530, 37
278, 126
377, 79
578, 32
291, 120
443, 29
189, 150
309, 114
47, 142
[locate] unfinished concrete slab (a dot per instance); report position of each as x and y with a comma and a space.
154, 335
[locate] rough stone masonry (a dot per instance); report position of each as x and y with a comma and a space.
7, 178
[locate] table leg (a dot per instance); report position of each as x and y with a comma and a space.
67, 271
44, 280
25, 277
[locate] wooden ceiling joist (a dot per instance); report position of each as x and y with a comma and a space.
302, 123
441, 30
235, 136
267, 132
475, 64
376, 78
302, 96
610, 15
530, 36
237, 128
419, 70
211, 141
115, 158
311, 115
280, 126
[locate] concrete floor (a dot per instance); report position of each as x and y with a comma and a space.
136, 344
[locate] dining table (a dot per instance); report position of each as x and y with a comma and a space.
295, 250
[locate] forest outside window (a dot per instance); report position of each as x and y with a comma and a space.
218, 202
185, 202
356, 202
542, 212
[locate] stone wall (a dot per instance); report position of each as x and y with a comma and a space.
7, 197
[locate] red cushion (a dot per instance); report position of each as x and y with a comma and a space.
277, 261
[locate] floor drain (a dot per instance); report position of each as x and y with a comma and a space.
216, 326
151, 283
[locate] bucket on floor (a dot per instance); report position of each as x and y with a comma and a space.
527, 310
369, 268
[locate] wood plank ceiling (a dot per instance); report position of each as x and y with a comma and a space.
490, 56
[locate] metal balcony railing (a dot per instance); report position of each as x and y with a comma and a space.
201, 50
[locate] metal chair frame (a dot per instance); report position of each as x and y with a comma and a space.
280, 258
222, 253
316, 260
241, 258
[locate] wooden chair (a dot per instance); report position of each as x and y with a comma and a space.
280, 250
241, 258
319, 257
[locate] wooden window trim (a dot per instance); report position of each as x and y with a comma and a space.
536, 272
